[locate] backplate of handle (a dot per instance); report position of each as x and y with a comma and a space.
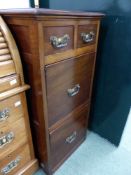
4, 140
4, 114
59, 42
88, 37
71, 138
75, 90
9, 167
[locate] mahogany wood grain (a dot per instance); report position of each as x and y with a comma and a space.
73, 71
9, 82
86, 29
30, 59
76, 126
70, 115
74, 51
58, 32
50, 59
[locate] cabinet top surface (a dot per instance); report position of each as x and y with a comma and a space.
43, 12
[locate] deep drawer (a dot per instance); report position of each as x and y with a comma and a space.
9, 82
12, 137
14, 161
67, 137
68, 85
11, 109
7, 68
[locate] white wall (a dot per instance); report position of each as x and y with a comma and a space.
4, 4
126, 137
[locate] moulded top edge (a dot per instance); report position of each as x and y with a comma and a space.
43, 11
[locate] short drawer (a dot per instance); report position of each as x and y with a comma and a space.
11, 109
9, 82
7, 68
12, 137
58, 39
86, 35
15, 161
68, 85
67, 137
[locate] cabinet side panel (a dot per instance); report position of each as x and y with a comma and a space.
25, 33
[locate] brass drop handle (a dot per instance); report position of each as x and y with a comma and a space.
4, 140
71, 138
13, 164
4, 114
87, 37
72, 92
59, 42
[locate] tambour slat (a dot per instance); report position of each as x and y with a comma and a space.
4, 51
3, 45
5, 57
8, 49
2, 39
7, 68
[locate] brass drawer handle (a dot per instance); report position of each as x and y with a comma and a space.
71, 138
4, 114
72, 92
6, 139
87, 37
59, 42
13, 164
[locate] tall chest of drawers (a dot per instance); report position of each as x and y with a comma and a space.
58, 50
16, 149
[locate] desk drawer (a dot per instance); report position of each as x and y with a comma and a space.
67, 136
68, 85
9, 82
7, 68
14, 161
11, 109
12, 137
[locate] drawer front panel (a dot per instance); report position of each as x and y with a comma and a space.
68, 85
12, 137
11, 109
9, 82
58, 39
87, 35
14, 161
66, 137
7, 68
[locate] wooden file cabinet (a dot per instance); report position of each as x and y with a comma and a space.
58, 50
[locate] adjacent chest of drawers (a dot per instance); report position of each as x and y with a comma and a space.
16, 150
58, 50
